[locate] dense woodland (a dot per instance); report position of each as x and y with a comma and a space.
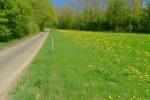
106, 15
22, 17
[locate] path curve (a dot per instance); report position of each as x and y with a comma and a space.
15, 59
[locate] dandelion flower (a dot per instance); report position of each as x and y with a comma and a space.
109, 97
90, 66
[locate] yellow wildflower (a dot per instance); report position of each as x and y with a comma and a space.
90, 66
109, 97
133, 97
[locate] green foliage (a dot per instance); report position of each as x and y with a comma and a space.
22, 17
4, 29
66, 20
116, 15
4, 33
114, 12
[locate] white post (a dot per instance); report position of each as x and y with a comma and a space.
52, 35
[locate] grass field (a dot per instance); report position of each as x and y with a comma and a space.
89, 66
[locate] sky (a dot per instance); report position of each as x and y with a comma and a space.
59, 3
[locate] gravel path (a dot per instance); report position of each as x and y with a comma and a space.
14, 60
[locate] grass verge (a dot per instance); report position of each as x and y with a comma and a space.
89, 66
4, 45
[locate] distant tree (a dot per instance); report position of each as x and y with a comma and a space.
145, 17
92, 14
137, 12
66, 16
114, 12
148, 19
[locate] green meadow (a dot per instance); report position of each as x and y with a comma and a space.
89, 66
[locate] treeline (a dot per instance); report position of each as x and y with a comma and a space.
22, 17
106, 15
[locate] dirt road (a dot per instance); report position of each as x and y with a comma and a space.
15, 59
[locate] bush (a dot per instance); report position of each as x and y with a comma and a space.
5, 34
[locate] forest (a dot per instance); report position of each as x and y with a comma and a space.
106, 15
22, 17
